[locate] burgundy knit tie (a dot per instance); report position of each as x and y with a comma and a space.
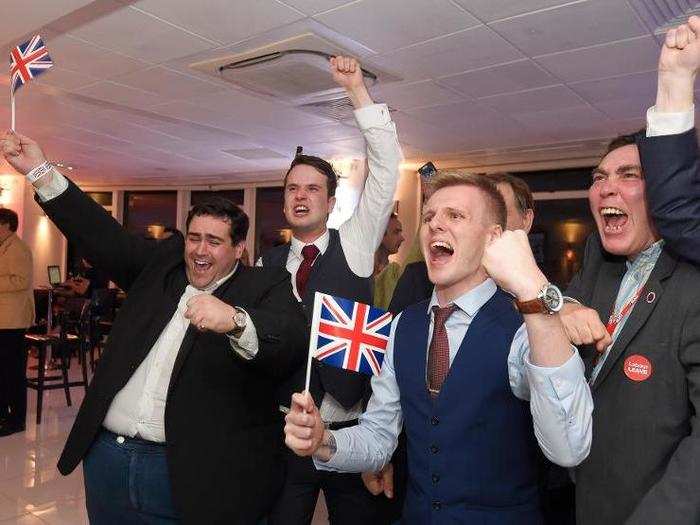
309, 253
439, 353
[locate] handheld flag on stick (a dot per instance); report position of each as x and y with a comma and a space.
347, 334
27, 60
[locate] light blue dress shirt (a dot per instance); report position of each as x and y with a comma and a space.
560, 399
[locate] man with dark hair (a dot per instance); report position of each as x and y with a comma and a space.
387, 273
639, 330
470, 398
182, 410
16, 315
339, 262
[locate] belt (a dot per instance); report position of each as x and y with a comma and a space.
121, 439
337, 425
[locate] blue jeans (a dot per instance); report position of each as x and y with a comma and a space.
126, 482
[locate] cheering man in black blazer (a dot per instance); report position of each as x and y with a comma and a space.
180, 423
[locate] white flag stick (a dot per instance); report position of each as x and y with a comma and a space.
313, 337
12, 108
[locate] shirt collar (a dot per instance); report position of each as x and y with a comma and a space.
321, 243
646, 259
473, 300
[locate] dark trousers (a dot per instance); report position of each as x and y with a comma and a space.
13, 377
347, 499
126, 482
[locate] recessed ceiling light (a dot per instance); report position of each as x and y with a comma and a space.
64, 166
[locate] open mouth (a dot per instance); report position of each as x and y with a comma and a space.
201, 265
614, 219
301, 210
440, 252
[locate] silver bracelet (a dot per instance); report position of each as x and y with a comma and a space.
36, 173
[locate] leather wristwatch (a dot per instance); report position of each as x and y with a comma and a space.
548, 301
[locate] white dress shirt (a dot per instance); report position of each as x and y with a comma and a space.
139, 407
560, 399
362, 233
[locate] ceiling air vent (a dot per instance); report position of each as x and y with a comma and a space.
338, 108
294, 71
660, 15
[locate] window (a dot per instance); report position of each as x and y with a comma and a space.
270, 224
148, 213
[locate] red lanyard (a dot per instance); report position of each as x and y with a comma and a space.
615, 318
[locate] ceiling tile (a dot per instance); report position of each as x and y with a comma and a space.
565, 124
625, 108
312, 7
222, 20
471, 49
119, 94
516, 76
390, 24
548, 98
76, 55
638, 85
169, 84
407, 96
490, 10
619, 58
139, 35
65, 79
571, 26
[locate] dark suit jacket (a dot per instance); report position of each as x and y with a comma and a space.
222, 424
672, 171
413, 287
644, 465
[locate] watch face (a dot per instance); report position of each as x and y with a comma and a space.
239, 318
553, 298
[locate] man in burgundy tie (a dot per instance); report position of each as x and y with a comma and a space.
339, 262
477, 383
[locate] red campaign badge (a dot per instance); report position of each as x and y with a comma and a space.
637, 368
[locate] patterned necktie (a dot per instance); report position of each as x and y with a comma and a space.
309, 253
439, 353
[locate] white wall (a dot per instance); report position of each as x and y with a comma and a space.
47, 243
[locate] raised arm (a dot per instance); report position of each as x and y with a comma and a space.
83, 221
362, 233
669, 152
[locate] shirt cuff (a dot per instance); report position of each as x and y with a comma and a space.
374, 116
659, 124
341, 457
54, 185
246, 345
556, 382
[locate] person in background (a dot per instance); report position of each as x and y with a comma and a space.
16, 315
386, 273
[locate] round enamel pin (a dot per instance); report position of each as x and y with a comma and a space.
637, 368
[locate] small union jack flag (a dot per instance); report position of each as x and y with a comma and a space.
28, 60
350, 335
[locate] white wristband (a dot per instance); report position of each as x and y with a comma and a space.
36, 173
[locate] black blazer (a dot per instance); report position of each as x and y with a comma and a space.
672, 171
644, 464
222, 424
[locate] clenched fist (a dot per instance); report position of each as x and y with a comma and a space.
206, 312
21, 152
347, 73
509, 261
584, 327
